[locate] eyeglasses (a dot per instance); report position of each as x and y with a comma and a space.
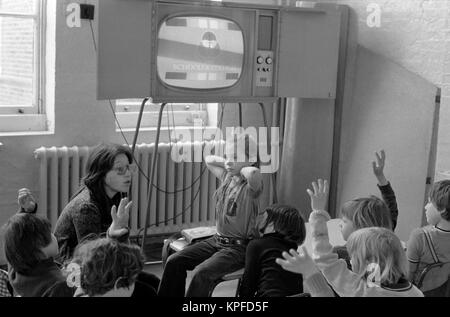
122, 170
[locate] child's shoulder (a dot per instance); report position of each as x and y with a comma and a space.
422, 232
260, 243
418, 232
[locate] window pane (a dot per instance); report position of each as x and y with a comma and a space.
17, 69
18, 6
200, 52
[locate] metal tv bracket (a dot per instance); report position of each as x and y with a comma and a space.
155, 157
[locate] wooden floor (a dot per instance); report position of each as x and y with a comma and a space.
225, 289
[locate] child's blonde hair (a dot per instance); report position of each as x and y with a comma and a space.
378, 246
367, 212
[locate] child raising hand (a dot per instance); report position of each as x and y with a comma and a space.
379, 265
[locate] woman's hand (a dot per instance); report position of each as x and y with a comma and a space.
300, 263
120, 218
26, 200
319, 198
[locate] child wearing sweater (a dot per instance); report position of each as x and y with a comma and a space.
379, 265
370, 211
431, 244
30, 249
283, 229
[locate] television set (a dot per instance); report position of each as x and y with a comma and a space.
208, 51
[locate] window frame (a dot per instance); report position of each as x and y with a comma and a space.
127, 112
38, 102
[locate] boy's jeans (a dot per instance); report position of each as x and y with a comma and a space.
211, 261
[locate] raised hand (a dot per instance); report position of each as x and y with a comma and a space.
300, 263
319, 198
378, 168
120, 217
26, 200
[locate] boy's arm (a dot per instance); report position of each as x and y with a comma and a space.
317, 286
302, 263
253, 177
387, 193
250, 278
413, 251
216, 165
335, 271
342, 280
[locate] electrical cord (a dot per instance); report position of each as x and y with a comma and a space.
170, 140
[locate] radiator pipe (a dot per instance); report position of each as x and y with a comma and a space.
152, 175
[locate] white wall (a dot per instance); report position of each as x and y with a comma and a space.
416, 35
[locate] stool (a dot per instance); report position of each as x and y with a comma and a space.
177, 243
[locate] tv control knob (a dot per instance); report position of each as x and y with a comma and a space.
269, 60
260, 60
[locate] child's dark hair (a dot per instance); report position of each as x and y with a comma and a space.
24, 236
368, 212
440, 197
106, 263
287, 221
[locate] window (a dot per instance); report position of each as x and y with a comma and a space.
21, 65
175, 115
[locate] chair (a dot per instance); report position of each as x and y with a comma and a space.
430, 279
237, 275
177, 243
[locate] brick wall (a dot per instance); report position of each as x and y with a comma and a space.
16, 54
416, 35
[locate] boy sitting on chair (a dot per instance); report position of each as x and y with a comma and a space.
237, 214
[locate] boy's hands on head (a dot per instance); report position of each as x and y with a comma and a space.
120, 217
319, 197
378, 168
26, 201
300, 263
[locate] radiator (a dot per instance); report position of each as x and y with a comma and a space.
171, 209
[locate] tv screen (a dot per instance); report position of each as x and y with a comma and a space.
199, 52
